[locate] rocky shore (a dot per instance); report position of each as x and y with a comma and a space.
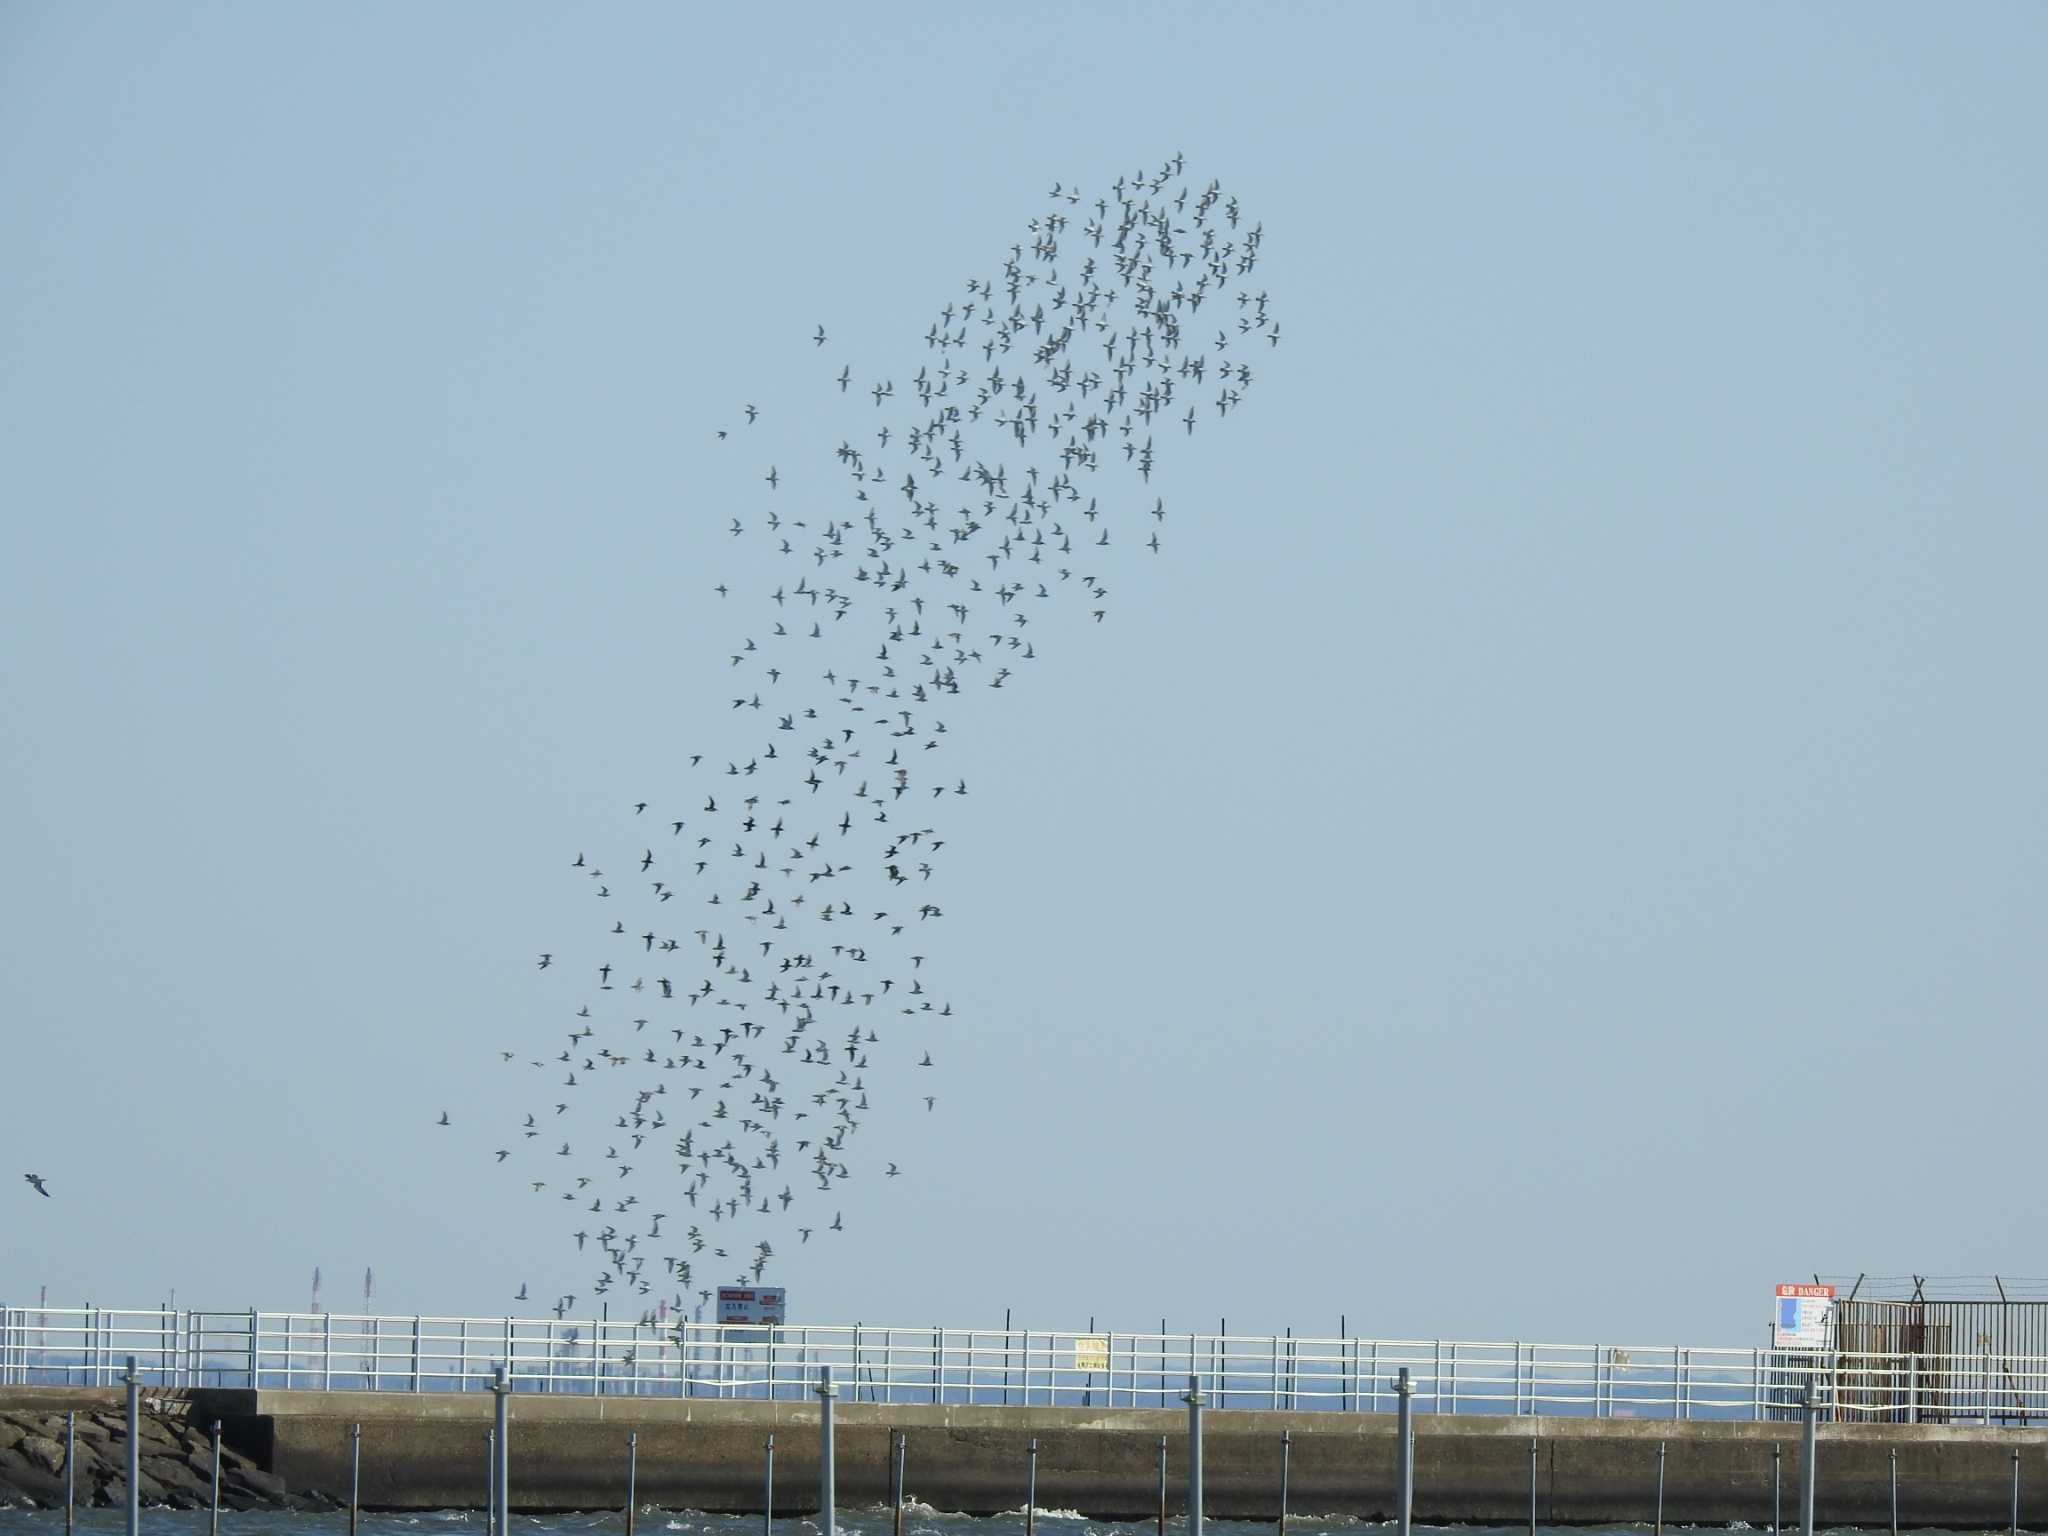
176, 1462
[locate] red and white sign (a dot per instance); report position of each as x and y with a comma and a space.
757, 1305
1803, 1316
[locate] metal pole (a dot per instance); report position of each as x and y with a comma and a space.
1286, 1444
1532, 1485
355, 1475
2013, 1527
1777, 1487
213, 1515
491, 1482
1031, 1488
1404, 1451
896, 1481
1194, 1401
502, 1446
1895, 1490
632, 1476
768, 1488
828, 1518
71, 1469
1660, 1488
1162, 1485
1806, 1477
134, 1384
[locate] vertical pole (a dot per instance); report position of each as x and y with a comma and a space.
1777, 1488
1660, 1488
1031, 1488
896, 1482
502, 1448
2013, 1525
1806, 1468
828, 1516
355, 1476
1532, 1485
632, 1477
1895, 1490
213, 1507
1404, 1451
1194, 1401
71, 1471
1006, 1357
768, 1488
1162, 1481
134, 1385
491, 1482
1286, 1444
1913, 1389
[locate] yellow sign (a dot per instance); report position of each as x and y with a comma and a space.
1091, 1352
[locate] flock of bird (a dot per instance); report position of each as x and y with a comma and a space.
759, 981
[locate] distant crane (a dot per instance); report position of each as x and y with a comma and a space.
369, 1291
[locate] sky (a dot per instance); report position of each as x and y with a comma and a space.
1552, 845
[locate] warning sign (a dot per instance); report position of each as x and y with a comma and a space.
1803, 1317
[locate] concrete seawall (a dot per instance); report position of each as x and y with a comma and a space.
426, 1451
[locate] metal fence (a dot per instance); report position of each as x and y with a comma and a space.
335, 1352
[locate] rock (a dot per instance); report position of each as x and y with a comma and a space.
176, 1478
30, 1481
114, 1491
11, 1434
42, 1451
254, 1481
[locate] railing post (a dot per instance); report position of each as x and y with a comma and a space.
827, 1515
2013, 1525
134, 1490
255, 1350
1895, 1490
71, 1472
896, 1458
491, 1482
355, 1476
1194, 1401
415, 1352
1777, 1488
1532, 1485
1811, 1407
501, 1427
1404, 1452
1162, 1482
768, 1488
632, 1473
1286, 1444
213, 1503
1031, 1487
1913, 1389
1660, 1488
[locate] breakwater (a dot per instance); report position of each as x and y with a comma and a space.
426, 1451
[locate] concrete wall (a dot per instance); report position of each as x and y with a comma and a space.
569, 1453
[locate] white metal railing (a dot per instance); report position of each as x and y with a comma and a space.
88, 1346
